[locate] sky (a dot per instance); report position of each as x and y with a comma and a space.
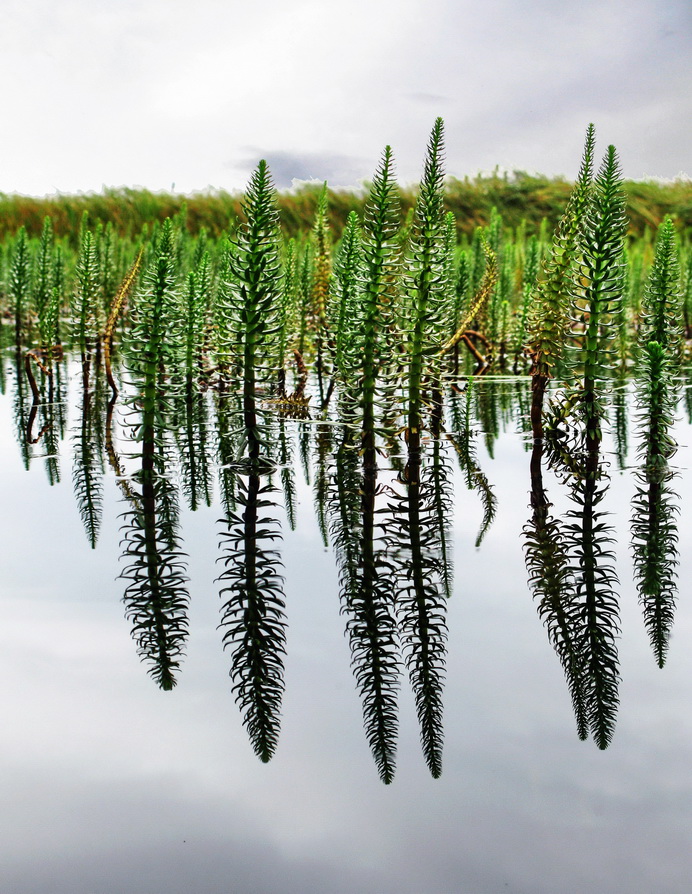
189, 96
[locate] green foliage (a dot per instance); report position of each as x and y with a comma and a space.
87, 308
426, 285
516, 195
347, 278
548, 315
662, 305
597, 286
19, 285
43, 288
368, 366
255, 293
149, 349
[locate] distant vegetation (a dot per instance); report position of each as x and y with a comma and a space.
516, 197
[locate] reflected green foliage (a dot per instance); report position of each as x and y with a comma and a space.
592, 606
323, 447
588, 539
443, 498
189, 419
553, 585
88, 465
654, 507
252, 615
285, 461
414, 540
462, 439
366, 592
156, 597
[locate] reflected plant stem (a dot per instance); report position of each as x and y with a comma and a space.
424, 677
366, 593
87, 471
552, 583
655, 505
538, 387
421, 606
595, 584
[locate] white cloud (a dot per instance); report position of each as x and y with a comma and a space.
150, 93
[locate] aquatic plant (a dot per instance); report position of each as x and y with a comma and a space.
549, 312
86, 305
348, 275
426, 287
252, 615
654, 528
43, 288
321, 290
115, 309
19, 285
369, 369
255, 290
156, 597
462, 439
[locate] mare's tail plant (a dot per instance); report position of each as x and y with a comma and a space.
20, 285
253, 622
415, 534
321, 289
156, 596
654, 530
548, 319
87, 309
367, 283
371, 291
427, 290
255, 285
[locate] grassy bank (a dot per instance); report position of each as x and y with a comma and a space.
517, 197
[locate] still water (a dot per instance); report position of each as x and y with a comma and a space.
112, 785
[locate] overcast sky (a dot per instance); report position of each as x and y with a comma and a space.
159, 92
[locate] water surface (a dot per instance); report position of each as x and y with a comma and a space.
111, 784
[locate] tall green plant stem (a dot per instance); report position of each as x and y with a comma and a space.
549, 313
428, 284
